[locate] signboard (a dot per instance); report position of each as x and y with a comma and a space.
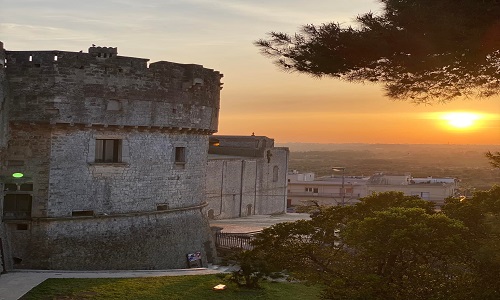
194, 260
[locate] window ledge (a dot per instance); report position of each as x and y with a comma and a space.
120, 164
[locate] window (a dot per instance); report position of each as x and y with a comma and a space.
163, 206
180, 155
108, 151
315, 190
82, 213
275, 173
26, 187
308, 189
21, 226
10, 187
17, 206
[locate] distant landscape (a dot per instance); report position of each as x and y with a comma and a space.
466, 162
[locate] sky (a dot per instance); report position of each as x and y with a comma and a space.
257, 97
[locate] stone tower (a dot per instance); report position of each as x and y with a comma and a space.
112, 154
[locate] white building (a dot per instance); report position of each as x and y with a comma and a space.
305, 189
429, 188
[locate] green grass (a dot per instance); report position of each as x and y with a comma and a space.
168, 287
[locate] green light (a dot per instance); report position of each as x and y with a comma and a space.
17, 175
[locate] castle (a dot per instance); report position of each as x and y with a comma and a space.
104, 160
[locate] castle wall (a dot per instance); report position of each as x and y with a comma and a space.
5, 254
239, 186
113, 153
3, 98
273, 187
231, 188
79, 88
158, 240
140, 210
147, 177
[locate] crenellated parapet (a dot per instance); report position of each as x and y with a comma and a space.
102, 88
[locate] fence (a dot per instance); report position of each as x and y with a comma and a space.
234, 240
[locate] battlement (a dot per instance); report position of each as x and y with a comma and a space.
103, 52
101, 87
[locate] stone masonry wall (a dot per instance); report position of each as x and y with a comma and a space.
147, 179
242, 186
231, 187
273, 182
6, 257
3, 98
150, 241
142, 211
79, 88
148, 176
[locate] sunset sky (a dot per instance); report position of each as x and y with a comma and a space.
257, 97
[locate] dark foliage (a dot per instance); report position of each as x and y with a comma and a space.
494, 158
391, 246
424, 51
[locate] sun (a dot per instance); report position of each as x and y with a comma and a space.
460, 120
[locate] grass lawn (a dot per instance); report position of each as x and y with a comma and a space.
168, 287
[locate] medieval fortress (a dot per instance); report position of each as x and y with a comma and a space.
105, 162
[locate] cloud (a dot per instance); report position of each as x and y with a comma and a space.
286, 12
42, 33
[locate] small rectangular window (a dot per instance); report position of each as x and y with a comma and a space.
162, 207
82, 213
108, 151
11, 187
315, 190
26, 187
21, 226
180, 155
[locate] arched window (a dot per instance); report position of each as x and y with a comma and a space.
275, 173
211, 214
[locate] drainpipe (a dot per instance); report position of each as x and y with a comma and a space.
222, 187
285, 192
241, 185
255, 187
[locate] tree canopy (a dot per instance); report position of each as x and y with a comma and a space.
493, 158
391, 246
424, 51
